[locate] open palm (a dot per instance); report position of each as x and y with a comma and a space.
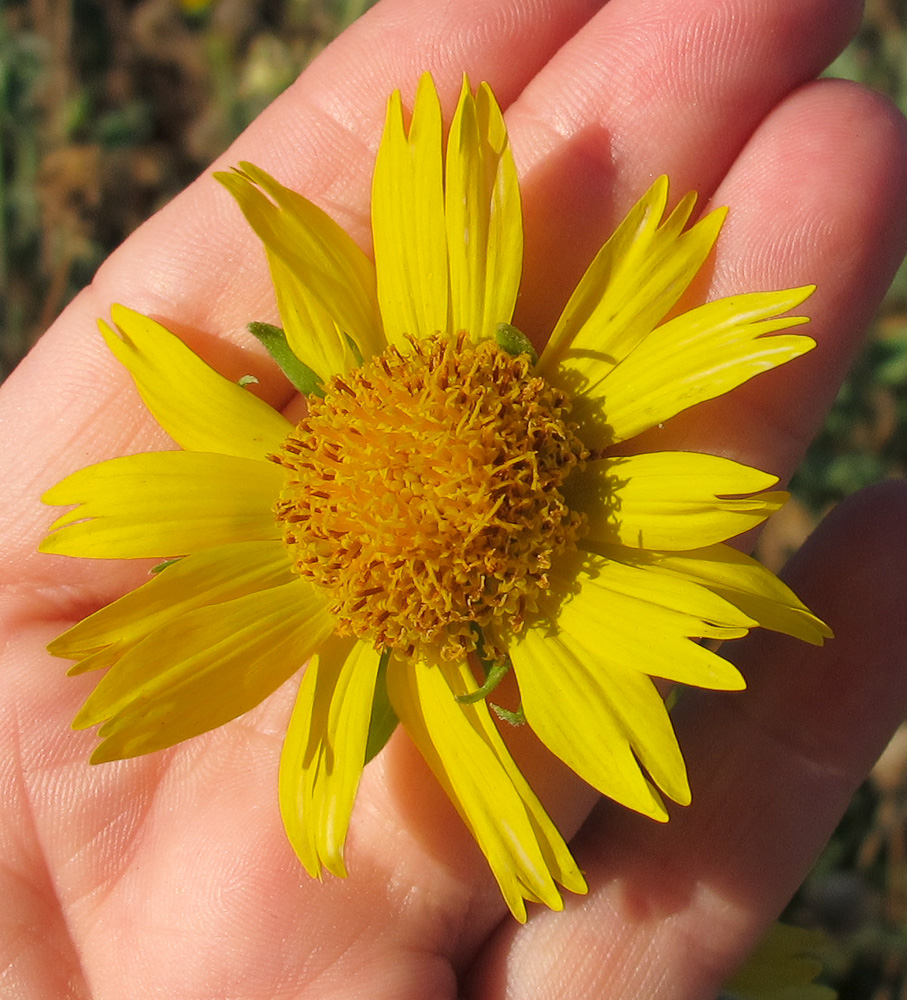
170, 876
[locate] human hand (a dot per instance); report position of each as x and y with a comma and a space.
170, 875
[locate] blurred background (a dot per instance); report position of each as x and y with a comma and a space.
109, 107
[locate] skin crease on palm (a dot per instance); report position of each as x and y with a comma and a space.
170, 876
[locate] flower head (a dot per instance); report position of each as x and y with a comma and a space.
783, 966
448, 509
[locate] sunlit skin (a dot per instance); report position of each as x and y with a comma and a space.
170, 876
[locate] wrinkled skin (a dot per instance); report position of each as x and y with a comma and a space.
169, 877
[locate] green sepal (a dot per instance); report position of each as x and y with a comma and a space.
517, 718
354, 347
299, 375
514, 341
493, 676
494, 671
162, 566
383, 720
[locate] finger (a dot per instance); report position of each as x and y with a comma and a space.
198, 266
321, 136
808, 204
833, 192
675, 87
674, 909
170, 875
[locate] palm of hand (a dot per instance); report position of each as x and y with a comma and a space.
171, 876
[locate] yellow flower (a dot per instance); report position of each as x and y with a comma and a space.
195, 6
448, 508
784, 966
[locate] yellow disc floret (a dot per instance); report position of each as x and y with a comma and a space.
423, 492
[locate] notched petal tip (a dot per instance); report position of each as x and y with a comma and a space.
196, 405
324, 283
123, 315
657, 194
103, 754
85, 718
813, 629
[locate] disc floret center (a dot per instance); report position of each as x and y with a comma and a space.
423, 493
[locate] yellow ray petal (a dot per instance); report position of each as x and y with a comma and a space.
324, 752
599, 716
616, 569
200, 409
408, 220
211, 576
468, 757
651, 632
742, 581
164, 504
203, 669
698, 355
484, 224
311, 332
325, 284
671, 500
634, 281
